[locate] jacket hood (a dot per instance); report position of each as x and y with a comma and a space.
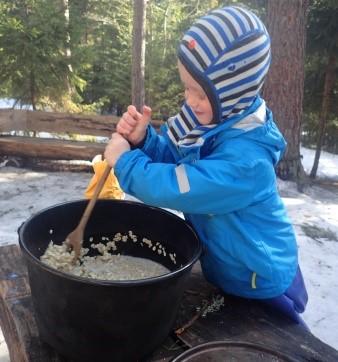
257, 125
228, 53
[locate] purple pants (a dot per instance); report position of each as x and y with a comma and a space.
293, 301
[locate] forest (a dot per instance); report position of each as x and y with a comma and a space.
76, 56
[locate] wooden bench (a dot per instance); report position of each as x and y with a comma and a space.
56, 124
239, 320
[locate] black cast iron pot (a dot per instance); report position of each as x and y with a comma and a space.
87, 319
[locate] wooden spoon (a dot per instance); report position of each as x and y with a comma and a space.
75, 238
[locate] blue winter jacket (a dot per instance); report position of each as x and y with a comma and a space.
227, 190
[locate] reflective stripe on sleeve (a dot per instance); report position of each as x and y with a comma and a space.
182, 179
253, 281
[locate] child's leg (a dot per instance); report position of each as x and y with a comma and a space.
293, 301
297, 292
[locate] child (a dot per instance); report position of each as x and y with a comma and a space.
215, 161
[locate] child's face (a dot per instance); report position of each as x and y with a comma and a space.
195, 96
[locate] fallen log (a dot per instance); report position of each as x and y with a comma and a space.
49, 148
16, 127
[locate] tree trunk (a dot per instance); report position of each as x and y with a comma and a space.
284, 87
165, 23
330, 75
32, 90
68, 52
149, 39
138, 53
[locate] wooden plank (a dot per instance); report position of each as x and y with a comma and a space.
71, 123
10, 120
54, 122
13, 273
49, 148
16, 317
39, 164
238, 320
245, 320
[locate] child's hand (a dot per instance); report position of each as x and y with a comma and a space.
133, 124
115, 148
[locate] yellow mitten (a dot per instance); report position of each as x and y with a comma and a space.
111, 188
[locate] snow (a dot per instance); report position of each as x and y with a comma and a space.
328, 164
314, 215
10, 103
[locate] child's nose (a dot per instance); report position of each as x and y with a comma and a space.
191, 100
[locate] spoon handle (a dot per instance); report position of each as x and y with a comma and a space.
92, 201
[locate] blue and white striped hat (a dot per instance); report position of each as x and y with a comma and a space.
228, 54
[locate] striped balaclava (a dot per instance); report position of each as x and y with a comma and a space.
227, 52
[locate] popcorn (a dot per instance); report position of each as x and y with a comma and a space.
107, 265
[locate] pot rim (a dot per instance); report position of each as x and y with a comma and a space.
199, 350
102, 282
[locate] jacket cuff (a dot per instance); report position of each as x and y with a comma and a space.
142, 143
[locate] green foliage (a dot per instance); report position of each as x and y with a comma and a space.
107, 38
96, 76
323, 27
31, 44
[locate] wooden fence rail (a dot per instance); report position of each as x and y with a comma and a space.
56, 124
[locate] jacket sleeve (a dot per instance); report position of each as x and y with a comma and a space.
208, 186
156, 147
